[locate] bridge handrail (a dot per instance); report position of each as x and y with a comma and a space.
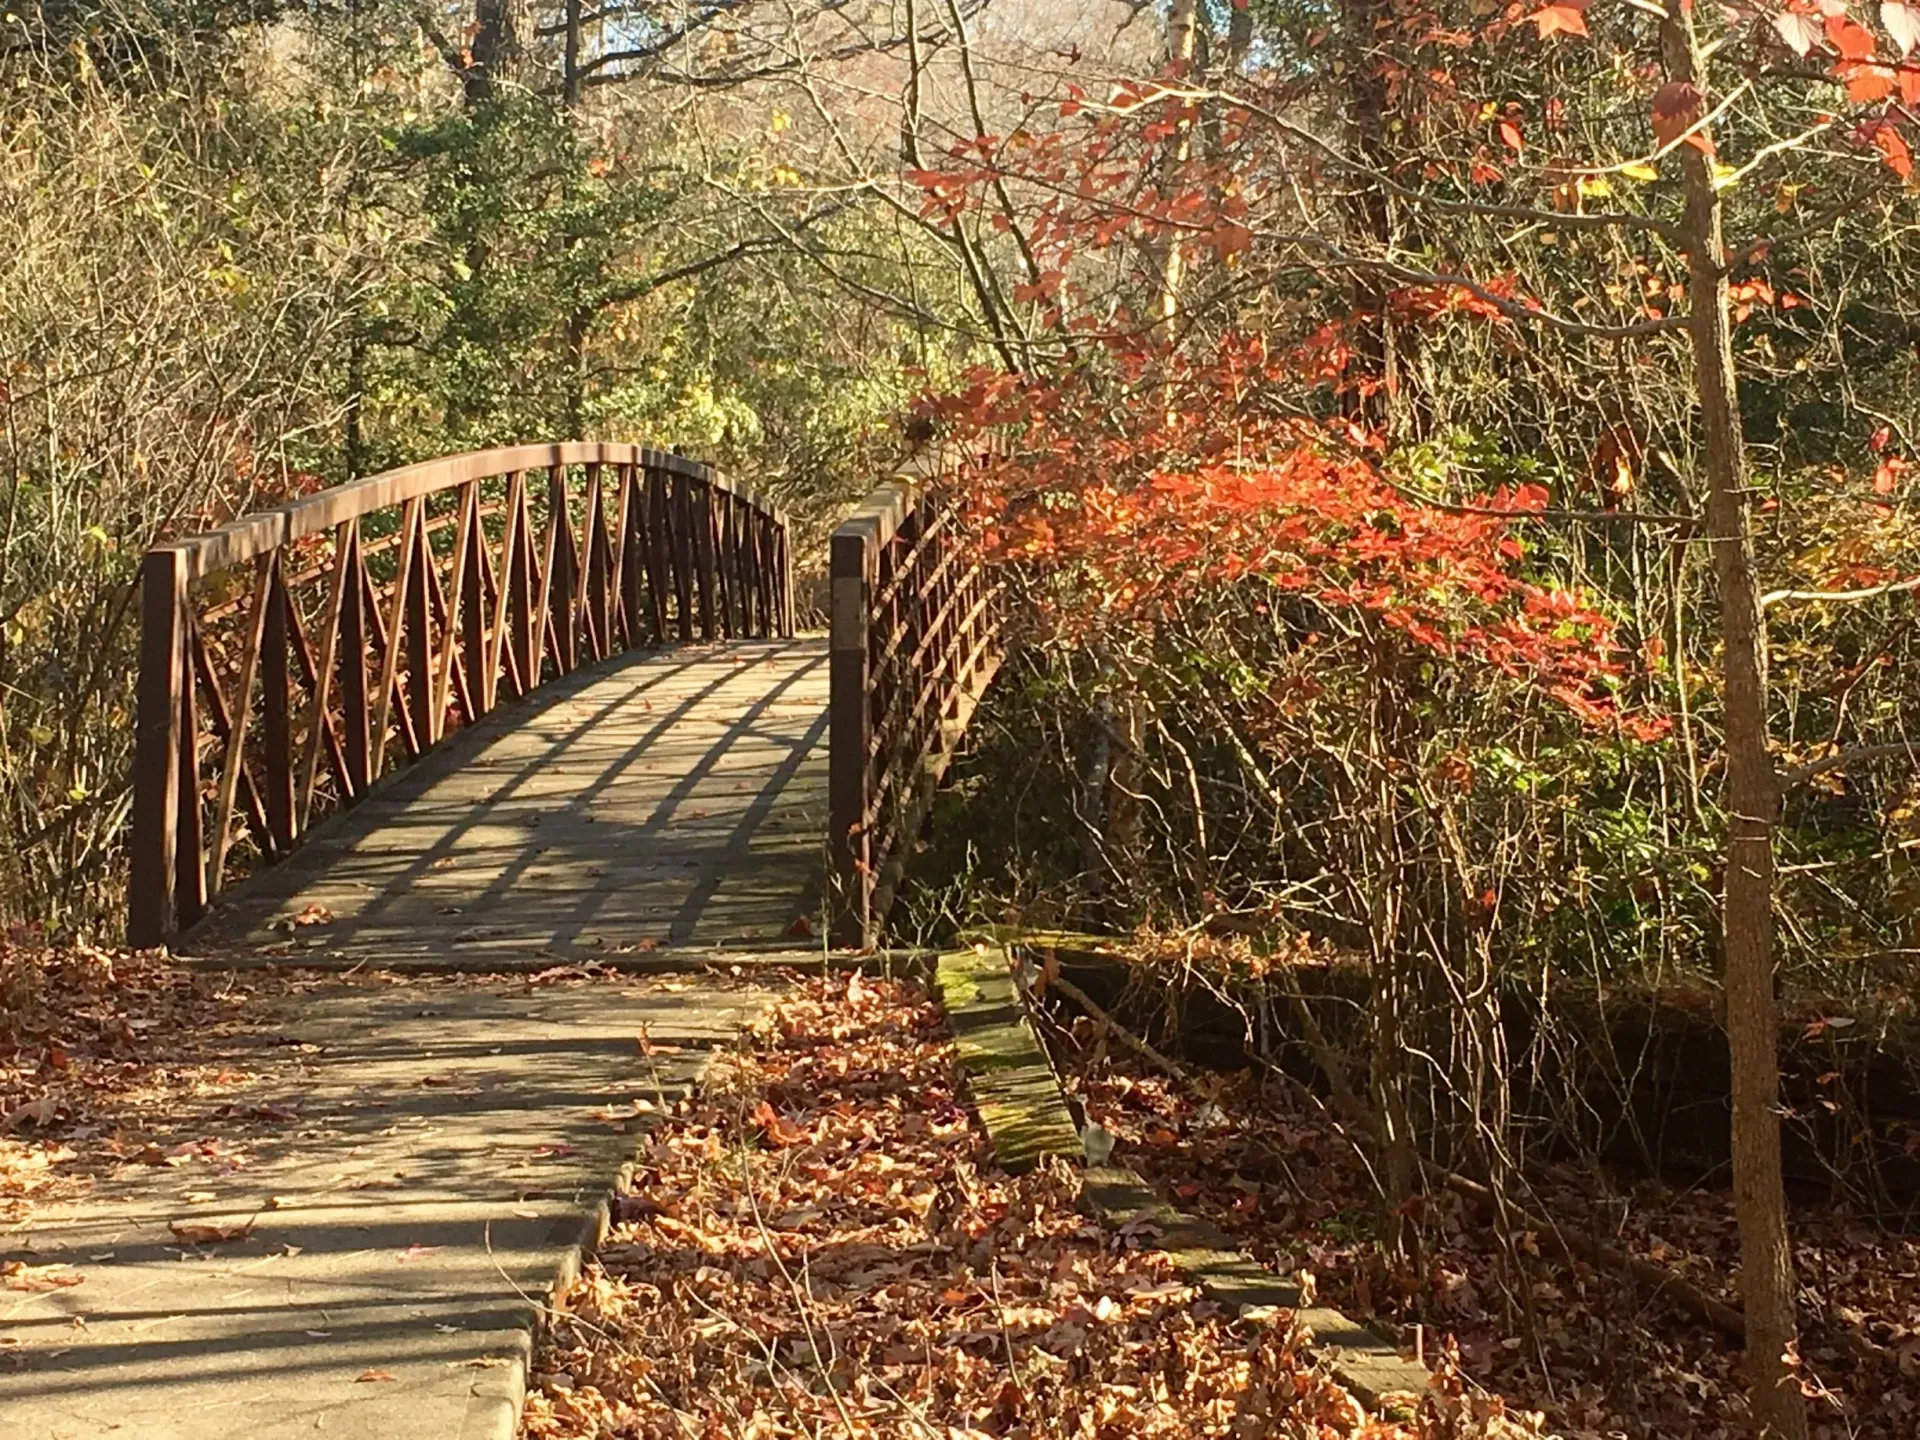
242, 539
913, 646
678, 552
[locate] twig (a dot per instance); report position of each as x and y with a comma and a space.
1662, 1281
1104, 1018
1842, 759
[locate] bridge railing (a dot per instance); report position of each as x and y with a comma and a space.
914, 626
292, 658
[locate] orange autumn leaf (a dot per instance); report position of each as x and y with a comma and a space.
1868, 83
779, 1131
1677, 108
1564, 17
1854, 42
1893, 148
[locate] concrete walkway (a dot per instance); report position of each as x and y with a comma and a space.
415, 1161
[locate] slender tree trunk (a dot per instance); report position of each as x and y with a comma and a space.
1183, 25
572, 81
355, 442
499, 27
1753, 801
1374, 334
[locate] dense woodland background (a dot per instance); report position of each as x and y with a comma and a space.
1359, 487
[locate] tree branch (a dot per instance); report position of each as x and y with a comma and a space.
1892, 587
1842, 759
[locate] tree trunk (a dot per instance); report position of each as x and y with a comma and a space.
572, 80
499, 29
1182, 28
1753, 802
1380, 371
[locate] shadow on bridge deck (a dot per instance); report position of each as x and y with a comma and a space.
667, 799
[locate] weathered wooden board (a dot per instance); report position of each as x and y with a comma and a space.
1009, 1079
1019, 1101
662, 800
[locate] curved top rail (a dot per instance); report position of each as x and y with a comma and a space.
239, 540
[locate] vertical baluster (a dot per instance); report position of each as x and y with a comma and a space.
741, 611
239, 713
783, 546
756, 588
412, 516
596, 568
276, 711
625, 628
515, 651
946, 605
159, 742
682, 510
418, 697
320, 717
849, 720
473, 584
764, 539
450, 683
189, 871
558, 573
355, 710
658, 554
717, 559
700, 525
492, 612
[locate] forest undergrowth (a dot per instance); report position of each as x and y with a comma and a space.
1263, 1157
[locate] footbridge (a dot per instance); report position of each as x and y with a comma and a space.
550, 701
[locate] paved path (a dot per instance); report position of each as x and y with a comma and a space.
429, 1153
661, 800
416, 1158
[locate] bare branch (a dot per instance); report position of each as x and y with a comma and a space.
1873, 592
1843, 759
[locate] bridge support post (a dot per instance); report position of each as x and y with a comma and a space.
158, 741
850, 742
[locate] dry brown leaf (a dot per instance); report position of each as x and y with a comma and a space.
199, 1232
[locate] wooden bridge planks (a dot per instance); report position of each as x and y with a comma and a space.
659, 800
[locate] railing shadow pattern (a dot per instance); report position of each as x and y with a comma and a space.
293, 658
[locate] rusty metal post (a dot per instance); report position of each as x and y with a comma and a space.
849, 737
158, 741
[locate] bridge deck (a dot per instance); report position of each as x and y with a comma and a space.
668, 799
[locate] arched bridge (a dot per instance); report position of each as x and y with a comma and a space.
544, 701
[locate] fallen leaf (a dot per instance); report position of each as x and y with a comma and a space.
197, 1232
18, 1275
372, 1375
778, 1130
1563, 17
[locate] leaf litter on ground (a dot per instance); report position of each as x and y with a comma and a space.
820, 1245
1600, 1355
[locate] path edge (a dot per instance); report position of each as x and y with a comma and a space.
495, 1412
1017, 1096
